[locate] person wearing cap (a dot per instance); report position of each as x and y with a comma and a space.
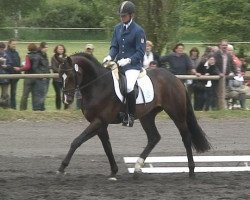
128, 46
89, 48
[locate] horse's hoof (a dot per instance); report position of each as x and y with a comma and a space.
137, 174
60, 173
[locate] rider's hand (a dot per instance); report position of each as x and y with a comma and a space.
124, 61
107, 59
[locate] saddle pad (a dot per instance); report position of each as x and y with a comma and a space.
145, 89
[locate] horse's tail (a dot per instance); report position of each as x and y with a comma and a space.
198, 137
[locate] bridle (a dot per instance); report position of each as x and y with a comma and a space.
77, 85
71, 90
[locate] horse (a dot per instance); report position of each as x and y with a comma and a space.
101, 107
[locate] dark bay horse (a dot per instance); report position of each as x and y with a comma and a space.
101, 107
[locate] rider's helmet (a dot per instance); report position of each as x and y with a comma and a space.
126, 8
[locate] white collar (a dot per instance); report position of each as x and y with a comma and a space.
128, 24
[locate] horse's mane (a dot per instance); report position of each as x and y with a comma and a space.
89, 57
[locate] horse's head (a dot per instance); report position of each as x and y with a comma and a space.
68, 74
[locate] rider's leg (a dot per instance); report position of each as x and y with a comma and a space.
131, 76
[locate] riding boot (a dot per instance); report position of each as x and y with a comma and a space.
129, 119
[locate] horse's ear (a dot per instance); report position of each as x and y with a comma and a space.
68, 59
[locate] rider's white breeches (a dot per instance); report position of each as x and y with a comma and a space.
131, 76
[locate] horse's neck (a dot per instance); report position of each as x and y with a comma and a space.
95, 77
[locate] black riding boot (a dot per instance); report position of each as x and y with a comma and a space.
129, 119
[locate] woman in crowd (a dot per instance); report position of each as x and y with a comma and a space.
59, 52
203, 89
28, 84
150, 55
41, 66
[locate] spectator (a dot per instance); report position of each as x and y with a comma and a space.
215, 48
149, 55
4, 83
152, 65
224, 62
28, 84
194, 55
237, 62
59, 52
40, 65
89, 48
207, 52
179, 62
235, 90
203, 89
13, 60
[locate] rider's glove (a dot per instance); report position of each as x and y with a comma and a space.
124, 61
107, 59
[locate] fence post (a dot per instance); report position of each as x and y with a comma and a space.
221, 91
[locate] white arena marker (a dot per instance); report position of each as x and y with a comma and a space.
232, 164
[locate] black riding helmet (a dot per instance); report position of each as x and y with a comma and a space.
126, 8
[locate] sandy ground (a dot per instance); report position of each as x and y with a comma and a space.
32, 151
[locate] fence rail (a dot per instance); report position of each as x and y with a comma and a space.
221, 86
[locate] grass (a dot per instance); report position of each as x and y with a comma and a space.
100, 51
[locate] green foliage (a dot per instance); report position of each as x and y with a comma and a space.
65, 14
212, 20
165, 21
14, 10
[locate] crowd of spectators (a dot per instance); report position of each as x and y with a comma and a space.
215, 60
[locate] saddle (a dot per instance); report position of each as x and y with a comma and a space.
120, 76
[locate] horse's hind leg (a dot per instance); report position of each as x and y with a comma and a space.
104, 137
186, 138
148, 124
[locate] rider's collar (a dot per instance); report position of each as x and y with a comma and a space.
128, 24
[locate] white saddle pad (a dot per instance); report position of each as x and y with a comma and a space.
145, 89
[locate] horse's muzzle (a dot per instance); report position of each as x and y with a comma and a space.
68, 99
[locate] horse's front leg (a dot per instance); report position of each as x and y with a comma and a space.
104, 137
88, 133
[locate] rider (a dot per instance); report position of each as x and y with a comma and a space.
128, 46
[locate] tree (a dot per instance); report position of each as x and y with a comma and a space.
12, 11
160, 19
212, 20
